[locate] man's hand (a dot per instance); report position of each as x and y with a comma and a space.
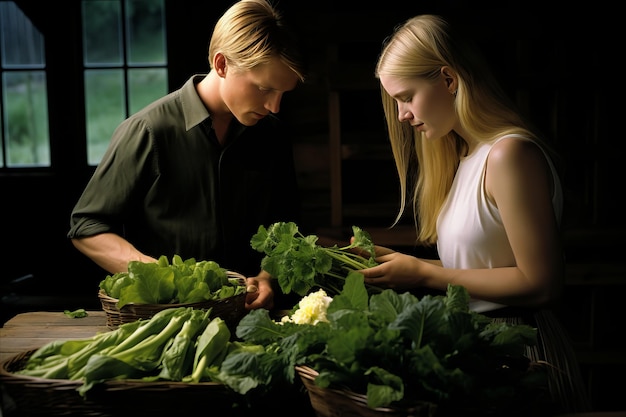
260, 292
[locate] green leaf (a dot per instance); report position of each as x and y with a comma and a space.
300, 264
457, 298
352, 333
178, 355
362, 240
388, 304
102, 368
76, 314
511, 339
113, 284
240, 371
211, 343
152, 284
389, 390
353, 296
258, 327
421, 322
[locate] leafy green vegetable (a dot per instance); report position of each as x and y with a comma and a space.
213, 342
163, 347
65, 359
140, 358
160, 282
300, 264
147, 328
178, 355
176, 344
395, 348
76, 314
78, 362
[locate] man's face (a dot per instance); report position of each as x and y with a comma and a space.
251, 95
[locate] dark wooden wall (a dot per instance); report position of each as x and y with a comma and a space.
560, 65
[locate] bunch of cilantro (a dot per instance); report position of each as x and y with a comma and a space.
162, 282
398, 350
300, 264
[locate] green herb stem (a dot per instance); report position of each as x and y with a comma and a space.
356, 262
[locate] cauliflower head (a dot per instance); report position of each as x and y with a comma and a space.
311, 309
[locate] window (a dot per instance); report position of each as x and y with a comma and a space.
125, 64
25, 140
124, 68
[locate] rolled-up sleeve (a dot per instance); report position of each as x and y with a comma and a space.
126, 165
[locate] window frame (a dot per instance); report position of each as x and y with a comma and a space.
124, 66
16, 69
65, 86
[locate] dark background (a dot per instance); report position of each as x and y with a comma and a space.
558, 61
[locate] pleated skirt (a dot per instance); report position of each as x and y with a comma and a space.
555, 350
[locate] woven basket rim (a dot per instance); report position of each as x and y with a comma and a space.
346, 396
310, 374
231, 309
35, 396
104, 297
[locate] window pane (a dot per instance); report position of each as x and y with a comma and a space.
1, 136
102, 33
105, 109
25, 104
145, 85
135, 50
145, 23
22, 44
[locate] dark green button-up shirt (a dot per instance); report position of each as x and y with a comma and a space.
168, 186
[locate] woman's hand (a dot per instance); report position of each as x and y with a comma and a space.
397, 271
260, 293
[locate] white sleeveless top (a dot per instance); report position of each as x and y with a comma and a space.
469, 228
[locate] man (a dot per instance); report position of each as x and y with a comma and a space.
196, 172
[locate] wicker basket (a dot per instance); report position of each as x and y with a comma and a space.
231, 309
342, 403
31, 396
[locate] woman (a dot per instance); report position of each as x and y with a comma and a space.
483, 188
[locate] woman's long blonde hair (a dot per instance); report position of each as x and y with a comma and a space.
420, 47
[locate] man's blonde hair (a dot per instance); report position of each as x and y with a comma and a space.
250, 33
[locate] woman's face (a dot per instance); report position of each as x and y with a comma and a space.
425, 104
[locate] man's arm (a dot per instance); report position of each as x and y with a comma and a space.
110, 251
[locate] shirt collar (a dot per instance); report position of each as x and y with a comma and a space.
193, 109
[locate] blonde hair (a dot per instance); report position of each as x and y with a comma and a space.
420, 47
250, 33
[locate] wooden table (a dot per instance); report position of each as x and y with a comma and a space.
27, 331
